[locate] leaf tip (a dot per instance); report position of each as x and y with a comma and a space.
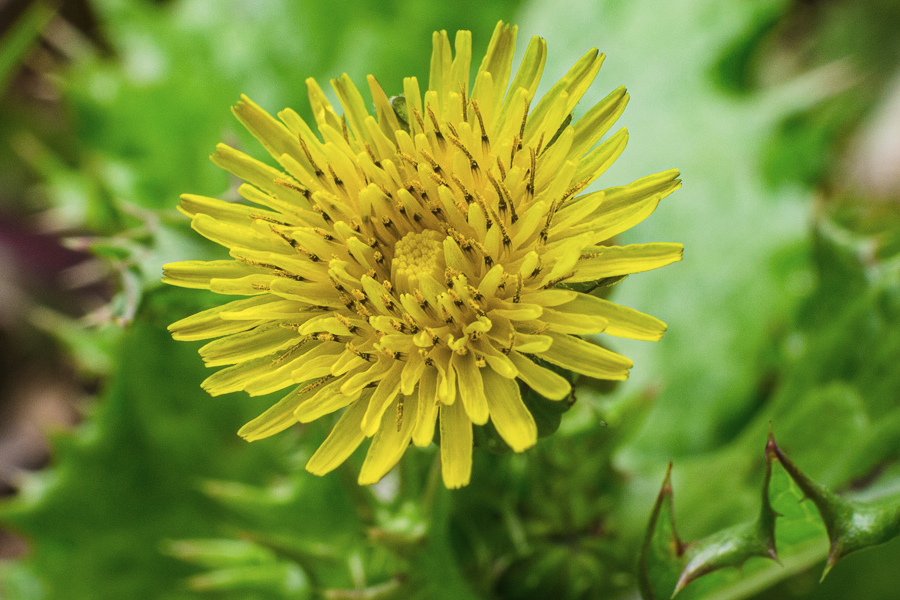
829, 564
683, 581
772, 449
667, 481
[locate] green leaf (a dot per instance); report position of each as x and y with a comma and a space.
667, 565
240, 565
20, 581
286, 580
127, 479
736, 545
662, 553
219, 552
851, 525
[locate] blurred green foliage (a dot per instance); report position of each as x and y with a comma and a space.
785, 310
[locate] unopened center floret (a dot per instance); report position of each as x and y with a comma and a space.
417, 253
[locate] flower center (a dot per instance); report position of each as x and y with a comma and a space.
416, 254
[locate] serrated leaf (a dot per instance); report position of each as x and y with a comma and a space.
736, 545
127, 479
662, 553
851, 525
667, 565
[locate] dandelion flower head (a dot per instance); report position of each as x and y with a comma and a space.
408, 269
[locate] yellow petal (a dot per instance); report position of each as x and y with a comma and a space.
354, 106
602, 157
564, 322
454, 256
209, 324
249, 285
516, 311
278, 418
531, 68
413, 103
314, 294
247, 168
527, 78
491, 281
565, 255
471, 390
439, 79
542, 380
322, 110
576, 216
553, 297
222, 211
551, 118
459, 70
232, 235
623, 321
412, 372
532, 343
456, 445
289, 202
498, 62
375, 372
318, 362
348, 363
656, 185
573, 85
554, 176
302, 363
384, 145
342, 441
597, 121
497, 360
529, 223
197, 274
483, 95
326, 400
239, 347
391, 440
508, 413
624, 207
577, 355
272, 134
427, 408
323, 324
611, 261
446, 380
385, 392
387, 118
269, 308
237, 377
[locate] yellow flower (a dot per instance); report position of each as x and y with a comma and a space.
409, 267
